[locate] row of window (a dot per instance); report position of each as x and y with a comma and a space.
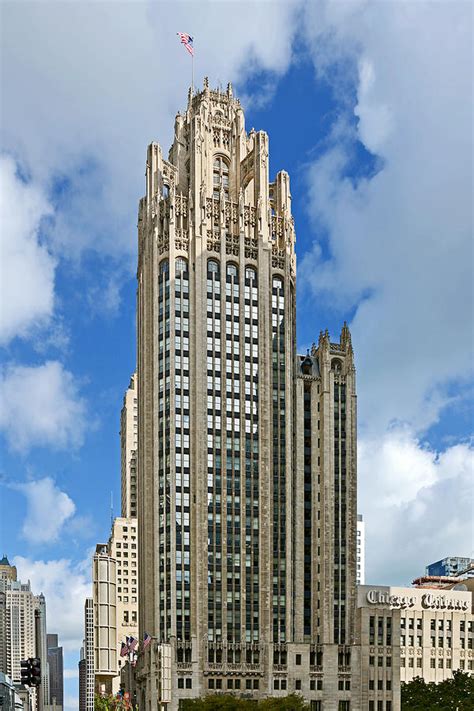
213, 269
440, 663
439, 624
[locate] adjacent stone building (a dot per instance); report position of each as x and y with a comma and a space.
408, 632
246, 451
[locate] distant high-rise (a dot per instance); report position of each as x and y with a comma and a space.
115, 564
82, 681
115, 601
42, 647
56, 673
7, 570
18, 638
89, 689
360, 575
19, 625
450, 566
128, 449
123, 547
104, 595
246, 451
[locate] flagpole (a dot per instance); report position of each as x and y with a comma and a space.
192, 74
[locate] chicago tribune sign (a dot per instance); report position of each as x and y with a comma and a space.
429, 601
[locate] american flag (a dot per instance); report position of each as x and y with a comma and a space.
187, 40
146, 640
133, 641
124, 649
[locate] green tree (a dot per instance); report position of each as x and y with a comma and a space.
103, 703
454, 694
215, 702
288, 703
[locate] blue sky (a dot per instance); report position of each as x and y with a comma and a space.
369, 108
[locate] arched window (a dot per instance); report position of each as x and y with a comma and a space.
165, 190
181, 265
220, 177
277, 283
212, 266
164, 266
232, 270
250, 273
336, 365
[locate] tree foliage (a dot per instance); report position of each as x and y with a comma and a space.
110, 703
455, 694
226, 702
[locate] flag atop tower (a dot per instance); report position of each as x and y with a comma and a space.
187, 40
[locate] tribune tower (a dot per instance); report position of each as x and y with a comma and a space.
246, 451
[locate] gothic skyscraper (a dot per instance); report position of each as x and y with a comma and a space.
246, 451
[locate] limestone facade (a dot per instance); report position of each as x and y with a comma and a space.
246, 451
128, 449
115, 597
409, 632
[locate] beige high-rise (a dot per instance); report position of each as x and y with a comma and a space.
246, 451
18, 640
128, 449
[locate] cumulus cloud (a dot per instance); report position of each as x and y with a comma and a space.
41, 406
399, 239
43, 498
27, 268
417, 504
96, 106
65, 586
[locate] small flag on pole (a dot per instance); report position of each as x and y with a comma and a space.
187, 40
132, 644
123, 650
146, 640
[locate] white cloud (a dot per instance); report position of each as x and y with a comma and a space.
27, 268
98, 103
44, 497
71, 674
400, 241
417, 504
41, 405
65, 586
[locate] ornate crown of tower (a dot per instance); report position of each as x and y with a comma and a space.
218, 173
